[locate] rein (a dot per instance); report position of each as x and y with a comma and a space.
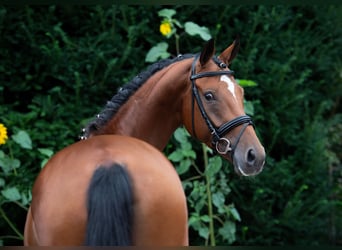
221, 144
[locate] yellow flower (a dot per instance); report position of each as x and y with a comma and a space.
3, 134
165, 28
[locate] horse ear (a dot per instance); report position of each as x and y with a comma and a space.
207, 52
230, 53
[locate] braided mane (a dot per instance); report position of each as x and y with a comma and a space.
125, 92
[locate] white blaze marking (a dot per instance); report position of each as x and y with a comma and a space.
230, 84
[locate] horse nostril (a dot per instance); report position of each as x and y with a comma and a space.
251, 156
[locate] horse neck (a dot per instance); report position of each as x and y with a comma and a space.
153, 112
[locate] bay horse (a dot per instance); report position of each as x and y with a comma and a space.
115, 187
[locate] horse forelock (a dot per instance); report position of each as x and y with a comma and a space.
124, 93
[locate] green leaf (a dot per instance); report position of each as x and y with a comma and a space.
183, 166
26, 199
181, 135
11, 194
176, 156
246, 83
215, 161
43, 163
248, 107
186, 146
205, 218
218, 199
201, 202
46, 152
227, 231
214, 166
234, 213
194, 29
193, 220
204, 232
158, 51
190, 153
177, 23
167, 13
8, 164
23, 139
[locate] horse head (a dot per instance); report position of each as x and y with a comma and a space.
215, 111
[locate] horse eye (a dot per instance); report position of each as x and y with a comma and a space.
209, 96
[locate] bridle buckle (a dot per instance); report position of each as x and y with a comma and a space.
223, 146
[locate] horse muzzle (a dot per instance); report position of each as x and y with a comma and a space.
249, 162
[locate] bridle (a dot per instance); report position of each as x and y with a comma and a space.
220, 144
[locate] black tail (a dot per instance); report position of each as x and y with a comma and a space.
110, 207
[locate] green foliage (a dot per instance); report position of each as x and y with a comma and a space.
159, 51
292, 194
11, 191
194, 29
211, 215
59, 65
